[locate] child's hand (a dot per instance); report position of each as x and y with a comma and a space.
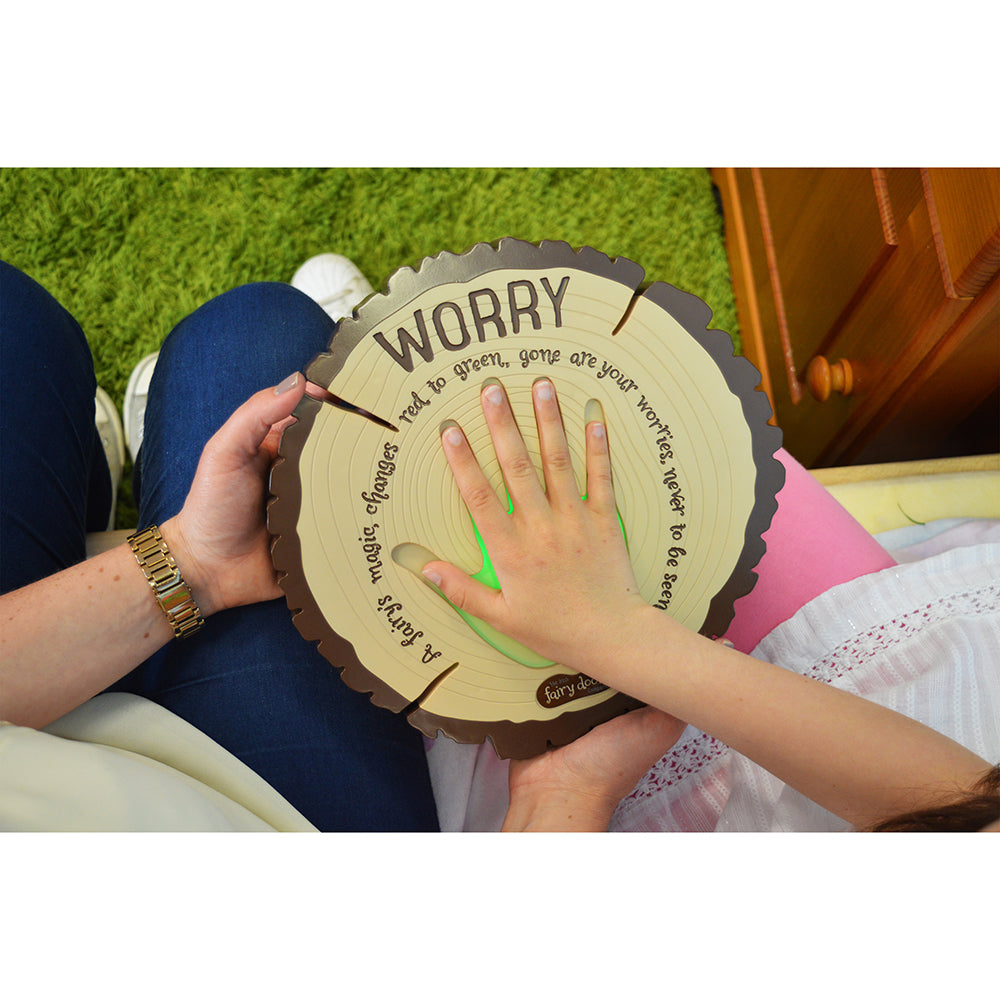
566, 583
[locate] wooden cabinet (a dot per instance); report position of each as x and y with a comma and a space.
870, 301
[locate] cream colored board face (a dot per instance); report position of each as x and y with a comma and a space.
684, 481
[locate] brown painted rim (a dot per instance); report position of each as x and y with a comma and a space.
528, 738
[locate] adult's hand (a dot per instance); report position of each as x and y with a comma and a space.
577, 787
220, 539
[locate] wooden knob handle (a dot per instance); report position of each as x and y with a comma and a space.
822, 378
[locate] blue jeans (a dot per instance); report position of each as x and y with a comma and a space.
248, 680
54, 481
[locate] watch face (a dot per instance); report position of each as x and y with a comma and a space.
692, 456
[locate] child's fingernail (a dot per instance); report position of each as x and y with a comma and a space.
544, 389
452, 435
289, 383
597, 430
493, 394
432, 577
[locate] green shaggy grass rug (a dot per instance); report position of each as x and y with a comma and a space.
130, 252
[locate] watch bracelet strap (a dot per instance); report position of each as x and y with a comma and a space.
169, 588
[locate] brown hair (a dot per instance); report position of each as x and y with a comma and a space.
973, 811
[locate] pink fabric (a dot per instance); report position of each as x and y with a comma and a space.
813, 544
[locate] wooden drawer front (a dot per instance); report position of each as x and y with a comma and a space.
950, 388
885, 277
830, 236
890, 333
965, 209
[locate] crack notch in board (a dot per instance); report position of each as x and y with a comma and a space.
317, 392
417, 702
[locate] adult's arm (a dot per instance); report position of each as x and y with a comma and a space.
857, 759
69, 636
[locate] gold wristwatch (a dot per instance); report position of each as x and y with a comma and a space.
169, 588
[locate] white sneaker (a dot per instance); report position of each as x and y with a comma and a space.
109, 427
334, 282
134, 406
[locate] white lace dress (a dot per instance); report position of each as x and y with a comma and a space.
922, 638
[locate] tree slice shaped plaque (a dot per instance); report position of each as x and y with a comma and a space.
692, 455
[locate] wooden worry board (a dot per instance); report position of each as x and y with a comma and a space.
692, 456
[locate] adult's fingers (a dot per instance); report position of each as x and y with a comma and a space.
245, 431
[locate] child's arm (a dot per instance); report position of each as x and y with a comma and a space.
857, 759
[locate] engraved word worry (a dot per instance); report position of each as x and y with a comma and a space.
452, 325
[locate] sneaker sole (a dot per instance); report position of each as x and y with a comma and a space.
138, 385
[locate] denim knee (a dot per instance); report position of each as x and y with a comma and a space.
234, 345
56, 482
39, 337
264, 327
